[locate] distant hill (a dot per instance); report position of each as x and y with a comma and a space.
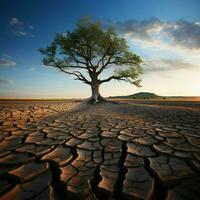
140, 95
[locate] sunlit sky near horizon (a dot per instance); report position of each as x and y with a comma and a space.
165, 33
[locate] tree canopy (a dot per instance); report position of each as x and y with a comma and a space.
89, 50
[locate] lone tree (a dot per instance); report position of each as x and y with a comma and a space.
88, 51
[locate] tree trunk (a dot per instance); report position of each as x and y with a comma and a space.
96, 97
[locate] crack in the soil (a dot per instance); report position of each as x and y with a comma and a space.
96, 178
159, 192
117, 192
57, 184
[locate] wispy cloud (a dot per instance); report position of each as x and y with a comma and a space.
181, 33
31, 27
5, 56
7, 63
19, 28
31, 69
15, 20
162, 65
6, 81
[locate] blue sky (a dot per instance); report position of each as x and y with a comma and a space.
165, 33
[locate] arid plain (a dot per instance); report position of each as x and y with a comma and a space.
136, 149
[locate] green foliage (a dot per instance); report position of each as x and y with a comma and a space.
130, 75
92, 49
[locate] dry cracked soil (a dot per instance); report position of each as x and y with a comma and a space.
124, 150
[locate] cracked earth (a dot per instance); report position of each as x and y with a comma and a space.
70, 150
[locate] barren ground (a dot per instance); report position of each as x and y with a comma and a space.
124, 150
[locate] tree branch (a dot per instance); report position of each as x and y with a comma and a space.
79, 75
112, 77
75, 52
111, 56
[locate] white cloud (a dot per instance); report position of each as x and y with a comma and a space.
6, 81
22, 33
163, 64
7, 63
15, 20
31, 27
31, 69
182, 35
20, 28
5, 55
